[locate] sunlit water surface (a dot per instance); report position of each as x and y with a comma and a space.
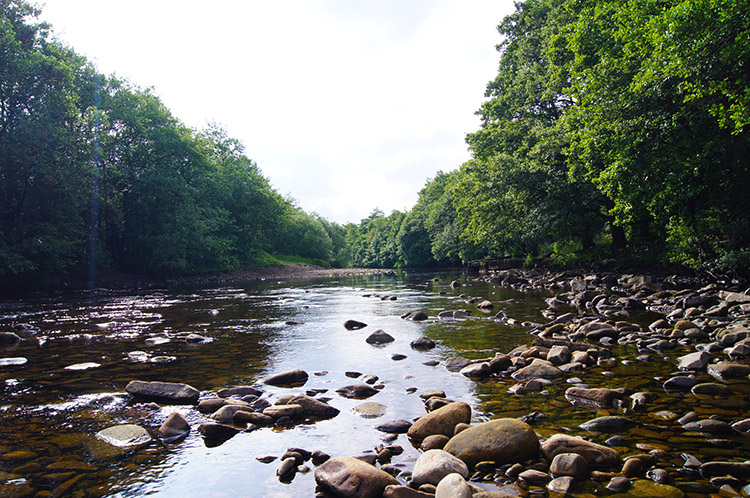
53, 411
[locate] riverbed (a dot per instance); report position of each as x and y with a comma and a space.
81, 350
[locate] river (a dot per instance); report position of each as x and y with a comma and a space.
84, 348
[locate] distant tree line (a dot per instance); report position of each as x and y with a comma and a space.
612, 130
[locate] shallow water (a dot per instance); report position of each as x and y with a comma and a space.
112, 338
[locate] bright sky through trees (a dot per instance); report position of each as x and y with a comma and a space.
345, 105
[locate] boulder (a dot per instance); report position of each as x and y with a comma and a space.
163, 392
599, 397
456, 364
354, 325
295, 377
9, 338
728, 370
225, 414
453, 486
596, 455
607, 423
239, 391
441, 421
276, 412
357, 391
314, 407
569, 464
693, 361
217, 431
348, 477
415, 316
379, 337
710, 426
433, 465
175, 426
124, 436
478, 370
393, 491
116, 441
538, 369
422, 343
505, 440
395, 426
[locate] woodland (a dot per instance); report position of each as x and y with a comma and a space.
614, 132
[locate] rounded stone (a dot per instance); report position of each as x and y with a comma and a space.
434, 465
453, 486
503, 441
348, 477
441, 421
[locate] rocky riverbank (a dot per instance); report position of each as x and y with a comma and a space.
633, 444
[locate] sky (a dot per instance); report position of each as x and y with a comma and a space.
345, 105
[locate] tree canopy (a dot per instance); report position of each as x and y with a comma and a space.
611, 130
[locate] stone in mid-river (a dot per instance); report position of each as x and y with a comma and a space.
164, 392
503, 441
441, 421
433, 465
348, 477
295, 377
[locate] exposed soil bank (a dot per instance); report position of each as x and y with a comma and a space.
280, 272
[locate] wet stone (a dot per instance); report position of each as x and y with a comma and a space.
357, 391
370, 410
711, 389
395, 426
295, 377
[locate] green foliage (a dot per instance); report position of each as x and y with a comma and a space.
96, 171
660, 119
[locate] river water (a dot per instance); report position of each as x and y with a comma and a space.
51, 411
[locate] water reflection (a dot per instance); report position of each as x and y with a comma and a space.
265, 328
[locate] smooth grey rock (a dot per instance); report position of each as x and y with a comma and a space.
693, 361
479, 370
239, 391
504, 440
395, 426
348, 477
569, 464
608, 423
295, 377
163, 392
422, 343
441, 421
596, 455
174, 426
453, 485
433, 465
538, 369
357, 391
379, 337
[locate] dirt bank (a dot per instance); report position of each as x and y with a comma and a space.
280, 272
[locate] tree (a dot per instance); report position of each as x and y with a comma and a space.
660, 121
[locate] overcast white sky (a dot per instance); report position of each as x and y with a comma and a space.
346, 105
